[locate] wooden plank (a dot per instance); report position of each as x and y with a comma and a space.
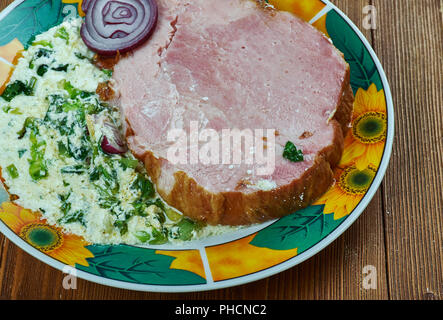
409, 40
335, 273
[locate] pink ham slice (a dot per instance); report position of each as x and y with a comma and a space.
236, 64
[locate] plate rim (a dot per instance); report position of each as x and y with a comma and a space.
258, 275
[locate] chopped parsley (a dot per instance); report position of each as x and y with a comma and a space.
41, 70
18, 87
107, 72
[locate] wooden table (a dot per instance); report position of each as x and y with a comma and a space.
400, 232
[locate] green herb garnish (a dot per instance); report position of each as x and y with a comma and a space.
80, 56
185, 229
18, 87
41, 70
143, 236
29, 123
42, 52
107, 72
144, 185
66, 206
63, 34
74, 92
76, 169
38, 169
292, 153
13, 111
62, 149
61, 67
122, 226
126, 163
68, 215
71, 217
159, 237
21, 152
43, 43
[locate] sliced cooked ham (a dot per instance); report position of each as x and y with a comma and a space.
236, 64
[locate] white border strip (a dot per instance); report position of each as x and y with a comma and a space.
3, 14
206, 266
6, 62
9, 8
321, 13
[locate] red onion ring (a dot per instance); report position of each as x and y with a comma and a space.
112, 26
113, 143
111, 147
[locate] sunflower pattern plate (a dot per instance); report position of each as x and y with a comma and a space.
243, 256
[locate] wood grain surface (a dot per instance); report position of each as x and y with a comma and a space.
400, 232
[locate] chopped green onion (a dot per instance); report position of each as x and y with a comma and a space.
76, 169
74, 92
18, 87
66, 206
42, 52
128, 163
144, 185
186, 227
29, 123
43, 43
158, 237
122, 226
62, 149
21, 152
41, 70
61, 67
292, 153
38, 169
71, 217
107, 72
29, 88
16, 111
173, 215
6, 109
12, 171
63, 34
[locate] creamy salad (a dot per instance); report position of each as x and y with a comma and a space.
52, 128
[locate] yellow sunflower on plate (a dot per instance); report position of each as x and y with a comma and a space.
365, 142
67, 248
351, 184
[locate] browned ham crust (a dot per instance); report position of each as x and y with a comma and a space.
159, 86
239, 208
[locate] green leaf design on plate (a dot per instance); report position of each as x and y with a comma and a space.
363, 69
300, 230
137, 265
30, 18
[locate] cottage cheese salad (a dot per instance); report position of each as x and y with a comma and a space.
54, 151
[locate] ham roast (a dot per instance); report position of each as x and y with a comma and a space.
235, 64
